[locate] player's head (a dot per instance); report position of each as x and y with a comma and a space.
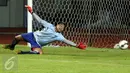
60, 27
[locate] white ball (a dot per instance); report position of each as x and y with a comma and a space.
123, 44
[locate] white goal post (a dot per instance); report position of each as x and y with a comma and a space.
29, 17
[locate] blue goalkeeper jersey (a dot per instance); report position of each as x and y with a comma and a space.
47, 34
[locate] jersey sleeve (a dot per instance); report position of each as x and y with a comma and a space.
41, 21
69, 42
60, 37
46, 24
63, 39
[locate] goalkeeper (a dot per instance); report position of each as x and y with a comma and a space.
41, 38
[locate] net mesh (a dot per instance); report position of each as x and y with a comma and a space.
98, 23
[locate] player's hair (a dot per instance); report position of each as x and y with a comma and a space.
61, 23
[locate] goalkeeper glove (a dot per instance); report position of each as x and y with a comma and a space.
81, 46
29, 8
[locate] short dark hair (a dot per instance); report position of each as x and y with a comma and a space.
60, 23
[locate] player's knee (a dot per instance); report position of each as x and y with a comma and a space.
18, 37
39, 50
40, 53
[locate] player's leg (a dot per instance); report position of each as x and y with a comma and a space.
16, 40
34, 51
22, 37
35, 47
38, 50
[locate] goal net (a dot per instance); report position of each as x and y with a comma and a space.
98, 23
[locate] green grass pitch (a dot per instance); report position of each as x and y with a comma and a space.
69, 60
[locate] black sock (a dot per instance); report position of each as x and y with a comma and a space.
28, 52
14, 42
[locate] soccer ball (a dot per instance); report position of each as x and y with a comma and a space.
123, 44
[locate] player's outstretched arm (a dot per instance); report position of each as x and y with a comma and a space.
80, 45
35, 16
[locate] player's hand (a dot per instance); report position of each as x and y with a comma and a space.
81, 46
29, 8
